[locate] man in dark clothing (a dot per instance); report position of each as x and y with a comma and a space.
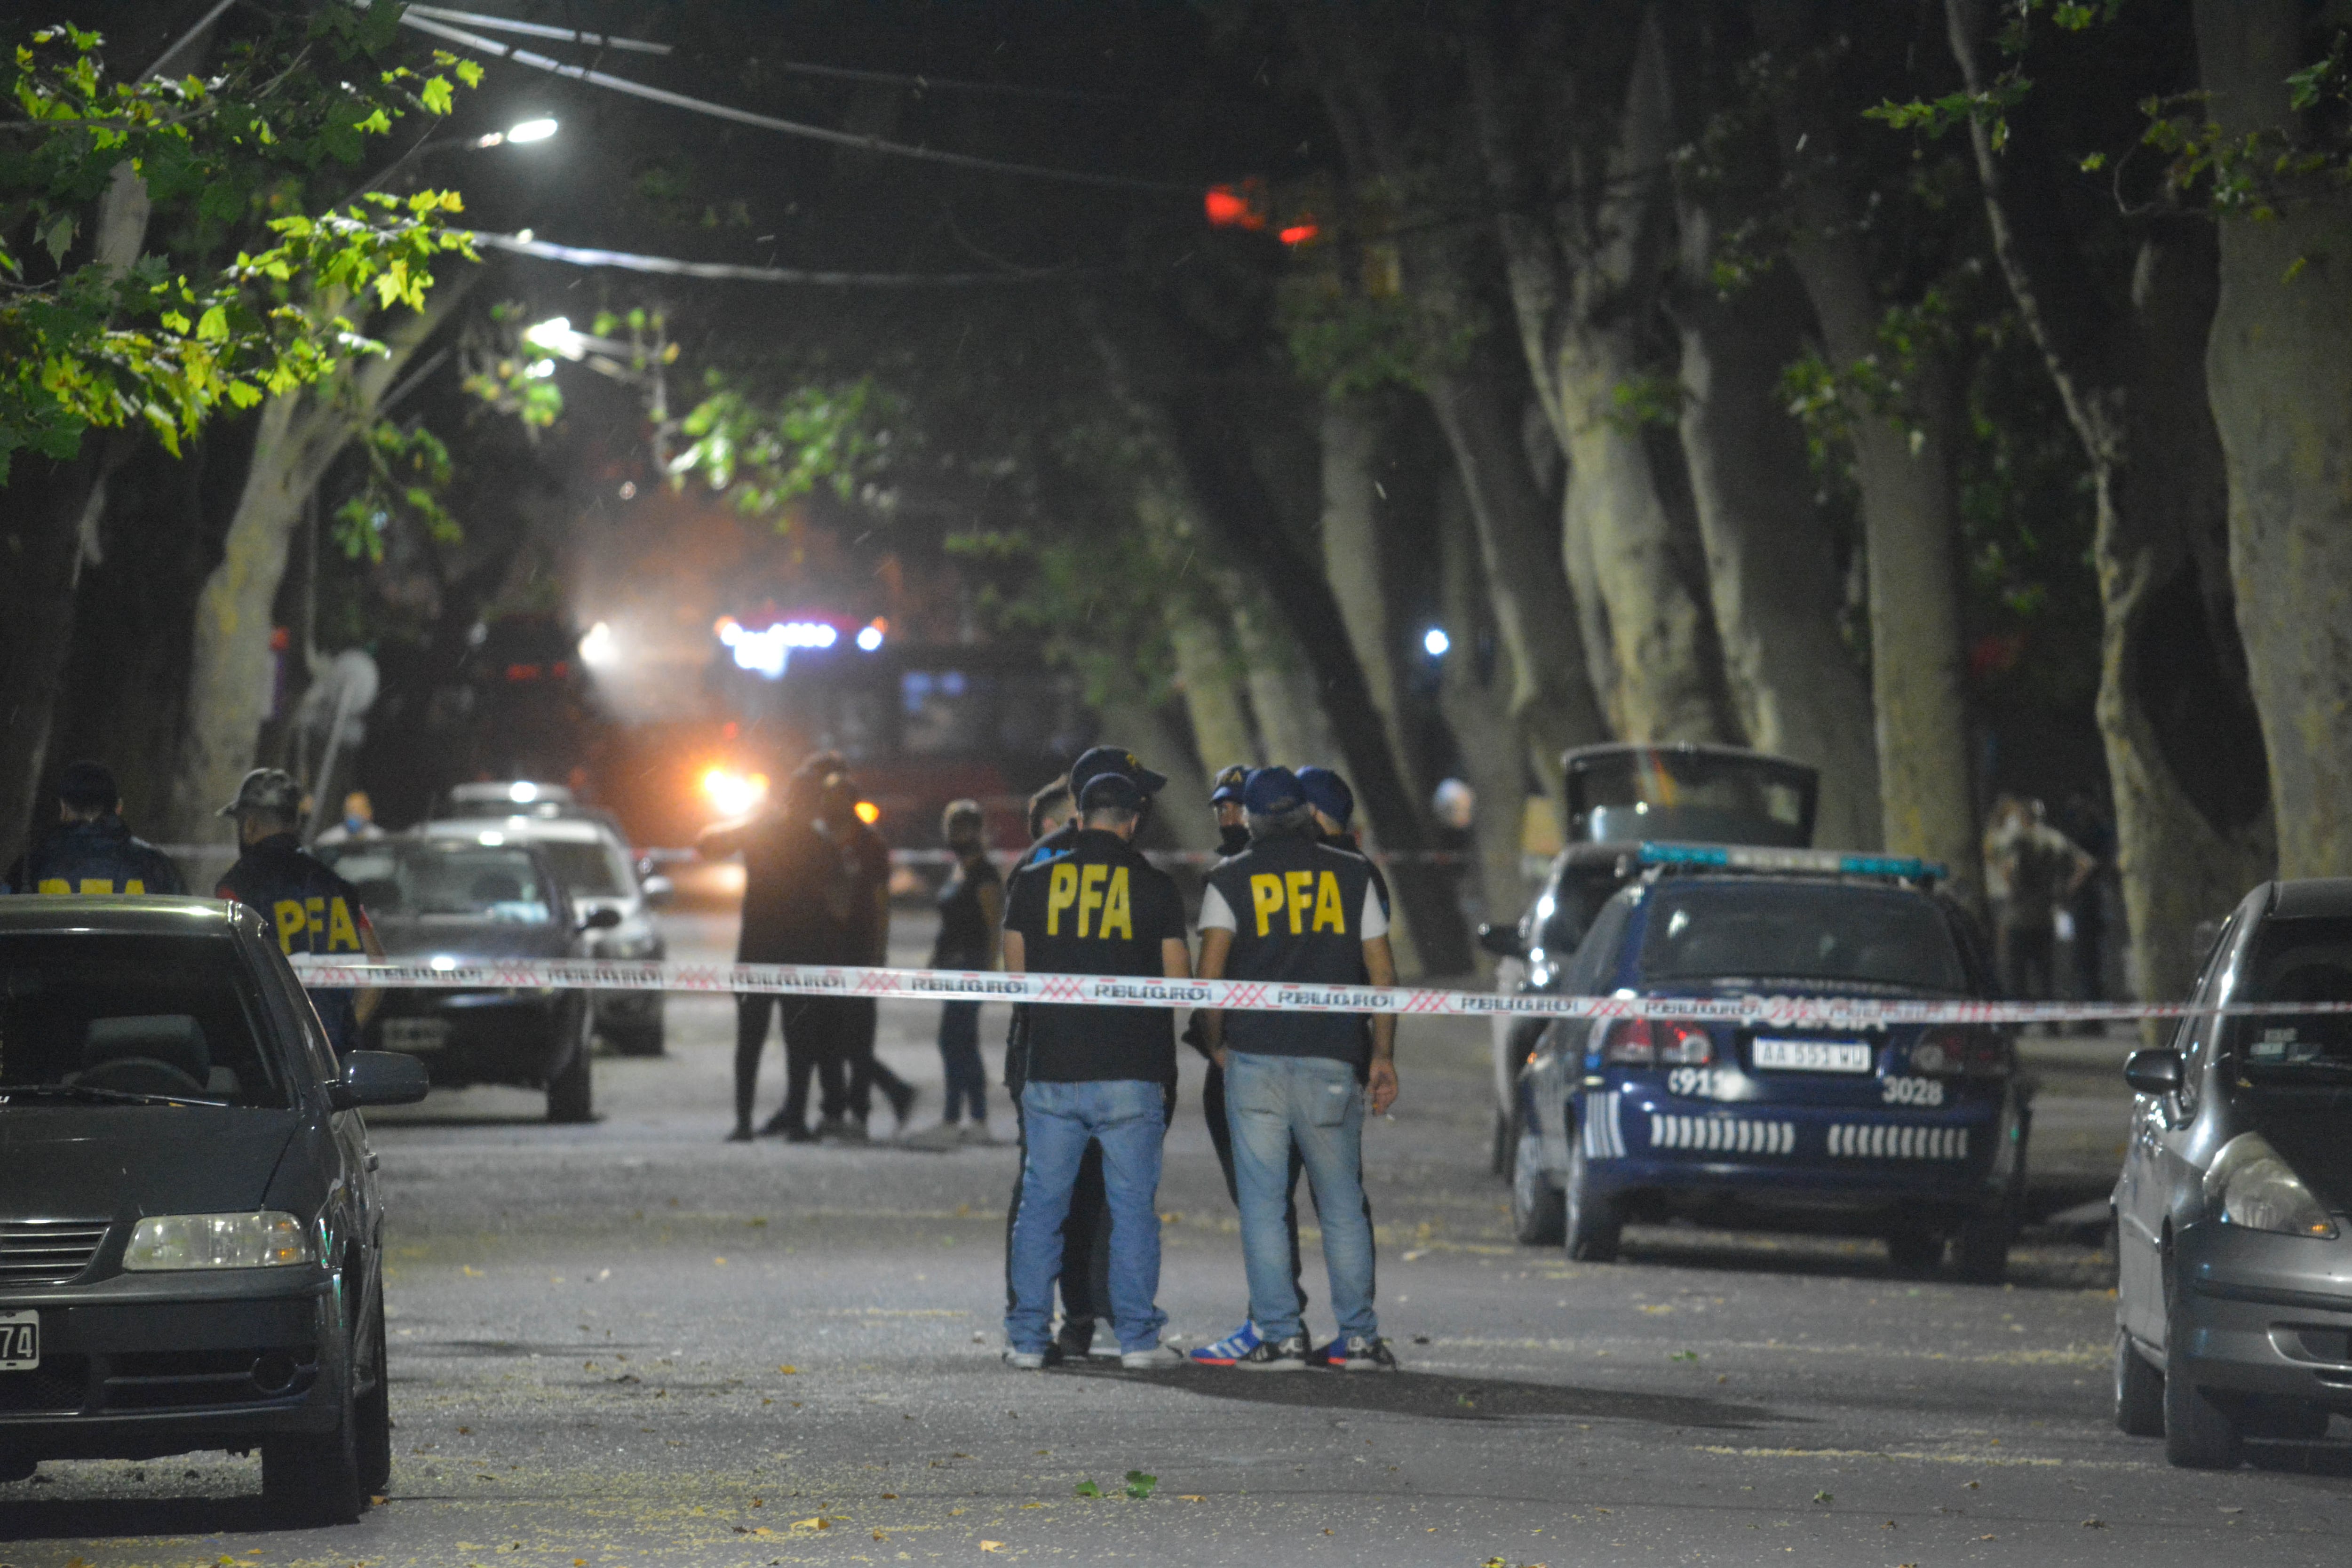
91, 849
860, 894
972, 913
1085, 1234
1098, 1075
311, 909
788, 918
1293, 910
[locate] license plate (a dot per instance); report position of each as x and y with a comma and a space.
1813, 1055
416, 1036
20, 1342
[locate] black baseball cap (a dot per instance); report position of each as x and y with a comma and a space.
1100, 759
87, 786
1273, 791
1228, 784
1327, 793
1110, 792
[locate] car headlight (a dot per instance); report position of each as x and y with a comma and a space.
2249, 1184
268, 1239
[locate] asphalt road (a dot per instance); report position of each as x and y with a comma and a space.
631, 1344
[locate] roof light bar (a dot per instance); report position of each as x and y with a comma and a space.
1754, 857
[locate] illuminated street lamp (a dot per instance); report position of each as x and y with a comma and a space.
521, 133
1434, 642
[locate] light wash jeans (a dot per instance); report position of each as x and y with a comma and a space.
1129, 1117
1314, 1102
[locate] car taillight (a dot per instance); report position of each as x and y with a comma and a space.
1960, 1052
1639, 1043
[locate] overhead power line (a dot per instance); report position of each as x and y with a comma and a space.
724, 271
874, 144
539, 30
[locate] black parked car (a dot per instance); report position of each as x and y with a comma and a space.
477, 899
190, 1238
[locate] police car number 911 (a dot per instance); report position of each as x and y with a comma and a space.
20, 1342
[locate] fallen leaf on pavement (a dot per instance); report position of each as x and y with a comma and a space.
991, 1546
789, 1371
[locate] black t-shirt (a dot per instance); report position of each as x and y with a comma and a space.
807, 898
98, 857
963, 922
1091, 905
1300, 911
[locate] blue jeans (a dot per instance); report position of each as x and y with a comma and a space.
960, 1056
1129, 1117
1314, 1102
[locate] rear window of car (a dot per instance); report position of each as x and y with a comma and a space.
594, 869
135, 1013
475, 881
1836, 934
2307, 960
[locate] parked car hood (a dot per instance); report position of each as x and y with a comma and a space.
74, 1162
406, 937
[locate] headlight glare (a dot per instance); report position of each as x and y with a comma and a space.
268, 1239
2249, 1184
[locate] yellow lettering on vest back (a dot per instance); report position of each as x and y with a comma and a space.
342, 935
1091, 894
1061, 892
291, 918
1301, 888
1118, 913
1329, 914
55, 885
1265, 897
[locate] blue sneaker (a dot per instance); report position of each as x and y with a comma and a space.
1231, 1349
1330, 1355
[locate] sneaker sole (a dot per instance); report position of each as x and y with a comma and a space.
1213, 1360
1271, 1365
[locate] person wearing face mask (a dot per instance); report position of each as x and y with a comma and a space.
1225, 800
358, 823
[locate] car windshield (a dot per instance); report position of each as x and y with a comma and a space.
593, 870
1636, 794
475, 881
1836, 934
2307, 960
133, 1019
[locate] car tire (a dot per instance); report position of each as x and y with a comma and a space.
635, 1039
1499, 1157
570, 1092
313, 1478
374, 1409
2199, 1434
1539, 1209
1980, 1249
1591, 1229
1914, 1249
2140, 1391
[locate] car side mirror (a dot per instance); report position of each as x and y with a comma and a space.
2153, 1072
1503, 941
603, 918
378, 1078
658, 891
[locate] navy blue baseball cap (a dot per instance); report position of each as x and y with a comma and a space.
1273, 791
1327, 793
1117, 760
1229, 781
1110, 792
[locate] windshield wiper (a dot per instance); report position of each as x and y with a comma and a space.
90, 1091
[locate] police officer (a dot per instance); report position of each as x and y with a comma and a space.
310, 908
91, 850
1086, 1235
1225, 800
1291, 909
1095, 1076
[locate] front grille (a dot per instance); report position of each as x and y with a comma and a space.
48, 1251
60, 1383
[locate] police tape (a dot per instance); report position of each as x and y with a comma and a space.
1238, 995
1005, 858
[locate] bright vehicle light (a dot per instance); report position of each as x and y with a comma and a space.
268, 1239
600, 649
869, 813
442, 963
2253, 1187
524, 790
768, 651
1434, 642
532, 131
869, 638
732, 794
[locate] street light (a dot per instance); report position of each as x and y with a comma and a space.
1434, 642
521, 133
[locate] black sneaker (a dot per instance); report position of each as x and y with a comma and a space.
1357, 1353
1076, 1338
1275, 1355
902, 1104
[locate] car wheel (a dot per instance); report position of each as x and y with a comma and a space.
373, 1409
2140, 1391
1914, 1249
313, 1478
17, 1467
569, 1094
2199, 1434
1538, 1212
1590, 1228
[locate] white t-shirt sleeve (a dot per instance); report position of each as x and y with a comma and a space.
1215, 913
1376, 918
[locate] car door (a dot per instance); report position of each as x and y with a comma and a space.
1557, 1070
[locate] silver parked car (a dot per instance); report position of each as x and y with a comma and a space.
2234, 1214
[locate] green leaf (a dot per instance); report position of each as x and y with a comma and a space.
56, 238
212, 325
1088, 1489
436, 95
1139, 1486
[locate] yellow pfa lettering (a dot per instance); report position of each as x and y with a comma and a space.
55, 885
1329, 914
1301, 886
315, 913
98, 884
134, 886
1061, 892
342, 935
1091, 894
1265, 897
291, 918
1118, 914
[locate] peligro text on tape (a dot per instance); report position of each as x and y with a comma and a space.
1235, 995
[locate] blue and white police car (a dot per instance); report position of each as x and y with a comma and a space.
1912, 1133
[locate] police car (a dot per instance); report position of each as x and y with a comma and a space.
1914, 1133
